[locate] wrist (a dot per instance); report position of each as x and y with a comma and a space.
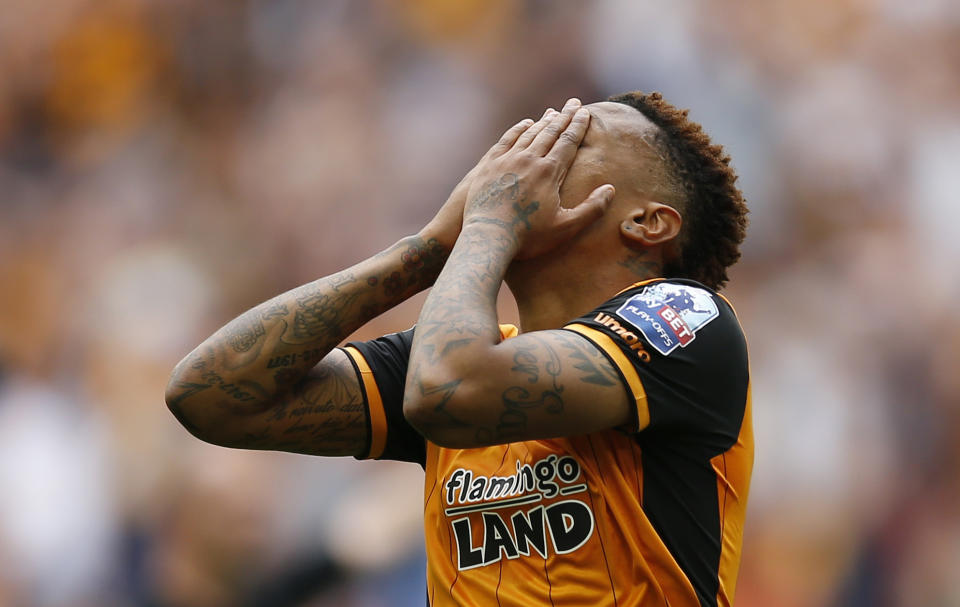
433, 236
494, 231
422, 256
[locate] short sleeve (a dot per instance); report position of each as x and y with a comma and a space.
381, 365
681, 353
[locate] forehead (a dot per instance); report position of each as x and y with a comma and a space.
608, 118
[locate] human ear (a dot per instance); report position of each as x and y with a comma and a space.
654, 224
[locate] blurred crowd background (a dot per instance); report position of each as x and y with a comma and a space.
166, 164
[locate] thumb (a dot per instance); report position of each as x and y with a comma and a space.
588, 211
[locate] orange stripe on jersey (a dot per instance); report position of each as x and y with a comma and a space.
724, 298
605, 343
639, 284
378, 417
508, 331
733, 468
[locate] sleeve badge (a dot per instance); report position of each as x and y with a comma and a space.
669, 315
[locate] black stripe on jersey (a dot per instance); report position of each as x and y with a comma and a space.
680, 500
499, 581
366, 405
387, 357
549, 583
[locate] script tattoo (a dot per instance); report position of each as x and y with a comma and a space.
518, 401
322, 414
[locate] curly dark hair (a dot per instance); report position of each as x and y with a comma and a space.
713, 209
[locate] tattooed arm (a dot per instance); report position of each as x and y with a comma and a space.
271, 379
464, 387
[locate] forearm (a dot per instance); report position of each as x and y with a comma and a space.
259, 355
457, 325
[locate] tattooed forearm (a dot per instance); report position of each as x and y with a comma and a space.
245, 332
534, 358
439, 397
261, 358
459, 320
464, 388
274, 310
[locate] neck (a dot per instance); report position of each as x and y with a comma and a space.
549, 295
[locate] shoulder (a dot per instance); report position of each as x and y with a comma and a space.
670, 313
666, 316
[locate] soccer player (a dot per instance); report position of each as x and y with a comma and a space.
598, 455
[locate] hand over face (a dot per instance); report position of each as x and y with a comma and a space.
517, 184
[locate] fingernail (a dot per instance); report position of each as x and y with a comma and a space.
608, 192
573, 101
583, 112
550, 112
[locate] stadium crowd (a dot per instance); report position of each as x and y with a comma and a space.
166, 164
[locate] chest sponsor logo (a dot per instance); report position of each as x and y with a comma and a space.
518, 513
669, 315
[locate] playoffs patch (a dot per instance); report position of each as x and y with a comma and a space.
669, 315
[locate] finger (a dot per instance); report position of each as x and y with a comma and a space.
587, 212
565, 149
547, 137
524, 140
510, 137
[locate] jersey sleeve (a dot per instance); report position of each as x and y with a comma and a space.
682, 356
381, 365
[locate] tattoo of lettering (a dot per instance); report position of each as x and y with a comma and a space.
525, 361
326, 416
518, 401
641, 267
306, 357
243, 391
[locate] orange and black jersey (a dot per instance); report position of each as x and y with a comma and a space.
650, 514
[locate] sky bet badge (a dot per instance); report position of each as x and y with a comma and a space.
669, 315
